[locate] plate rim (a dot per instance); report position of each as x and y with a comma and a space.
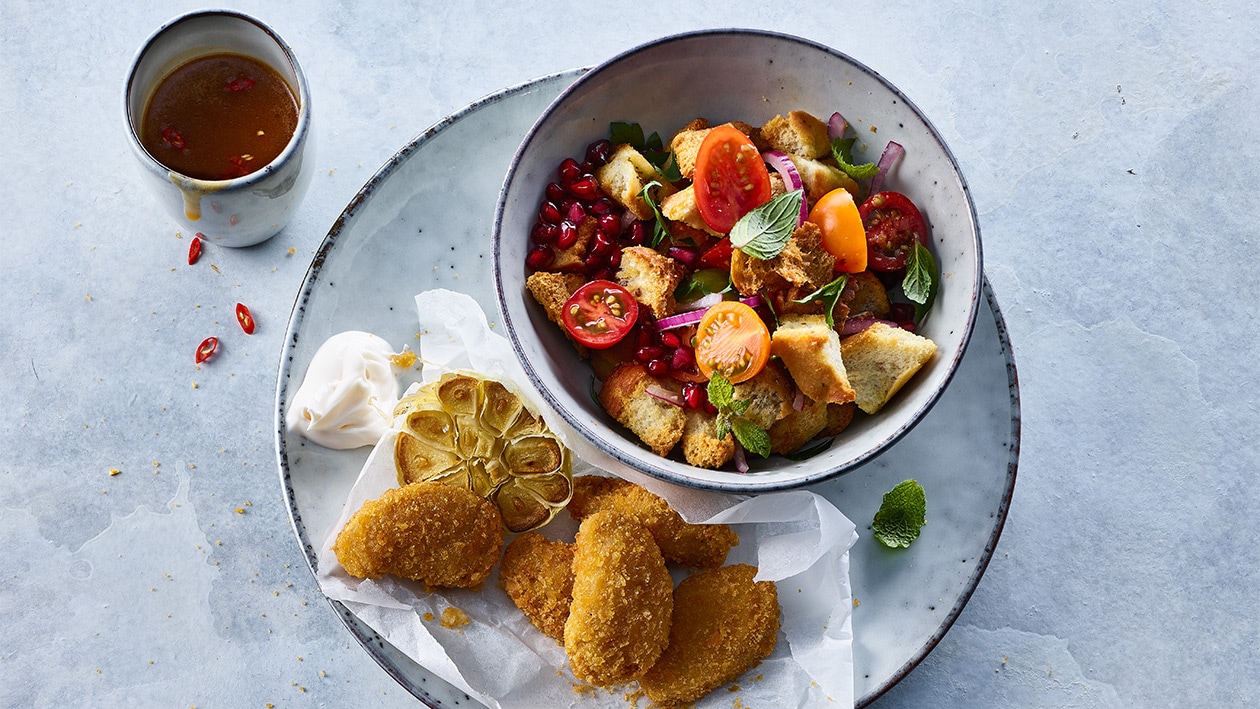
376, 646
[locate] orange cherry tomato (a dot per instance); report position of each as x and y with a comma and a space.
732, 341
730, 178
843, 234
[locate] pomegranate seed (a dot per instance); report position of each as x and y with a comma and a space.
657, 368
585, 188
710, 409
601, 237
611, 224
683, 358
543, 233
568, 235
601, 206
586, 166
549, 213
576, 213
555, 192
593, 261
687, 256
602, 274
597, 153
638, 233
614, 259
569, 171
539, 258
646, 336
695, 396
646, 354
669, 339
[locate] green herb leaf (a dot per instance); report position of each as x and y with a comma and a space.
763, 232
723, 426
659, 232
807, 453
740, 406
652, 148
901, 515
705, 281
720, 391
829, 295
751, 436
920, 283
666, 163
842, 151
630, 133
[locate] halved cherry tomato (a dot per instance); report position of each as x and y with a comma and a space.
733, 341
599, 314
730, 178
718, 255
893, 225
841, 224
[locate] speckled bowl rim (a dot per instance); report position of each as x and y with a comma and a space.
646, 463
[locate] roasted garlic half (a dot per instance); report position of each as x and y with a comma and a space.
471, 431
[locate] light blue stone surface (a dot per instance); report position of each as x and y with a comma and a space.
1111, 149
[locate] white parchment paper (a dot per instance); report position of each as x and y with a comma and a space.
797, 539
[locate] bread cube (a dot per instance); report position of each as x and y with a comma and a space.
624, 176
881, 359
811, 351
657, 423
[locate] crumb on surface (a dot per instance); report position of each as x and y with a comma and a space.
453, 617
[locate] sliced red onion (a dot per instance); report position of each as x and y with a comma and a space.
798, 404
836, 126
752, 301
669, 397
707, 301
741, 461
689, 257
681, 319
781, 162
853, 326
891, 153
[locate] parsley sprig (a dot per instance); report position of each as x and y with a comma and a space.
730, 417
651, 148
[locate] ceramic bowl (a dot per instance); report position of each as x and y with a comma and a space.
750, 76
242, 211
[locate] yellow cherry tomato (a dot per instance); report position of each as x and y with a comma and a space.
733, 341
843, 235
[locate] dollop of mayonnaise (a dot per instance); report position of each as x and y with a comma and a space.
348, 396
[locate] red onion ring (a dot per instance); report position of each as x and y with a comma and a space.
741, 461
798, 404
695, 316
783, 164
836, 126
853, 326
669, 397
891, 153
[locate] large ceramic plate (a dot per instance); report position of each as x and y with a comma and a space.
423, 221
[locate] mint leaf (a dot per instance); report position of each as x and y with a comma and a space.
720, 391
659, 232
920, 282
751, 436
763, 232
901, 515
842, 151
829, 295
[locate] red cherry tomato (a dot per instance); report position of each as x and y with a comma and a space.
245, 318
893, 225
599, 314
730, 178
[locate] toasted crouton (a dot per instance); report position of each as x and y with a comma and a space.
820, 178
770, 392
753, 133
551, 290
798, 427
800, 133
657, 423
681, 207
811, 351
574, 257
803, 263
881, 359
839, 416
686, 145
651, 278
700, 446
624, 176
864, 294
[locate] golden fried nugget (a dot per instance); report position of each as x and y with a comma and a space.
703, 546
437, 534
723, 623
622, 601
537, 574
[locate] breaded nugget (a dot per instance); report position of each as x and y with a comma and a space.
437, 534
700, 545
537, 574
723, 623
622, 601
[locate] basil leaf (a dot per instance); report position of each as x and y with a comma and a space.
807, 453
720, 391
659, 232
920, 283
829, 295
842, 151
751, 436
626, 133
665, 163
763, 232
